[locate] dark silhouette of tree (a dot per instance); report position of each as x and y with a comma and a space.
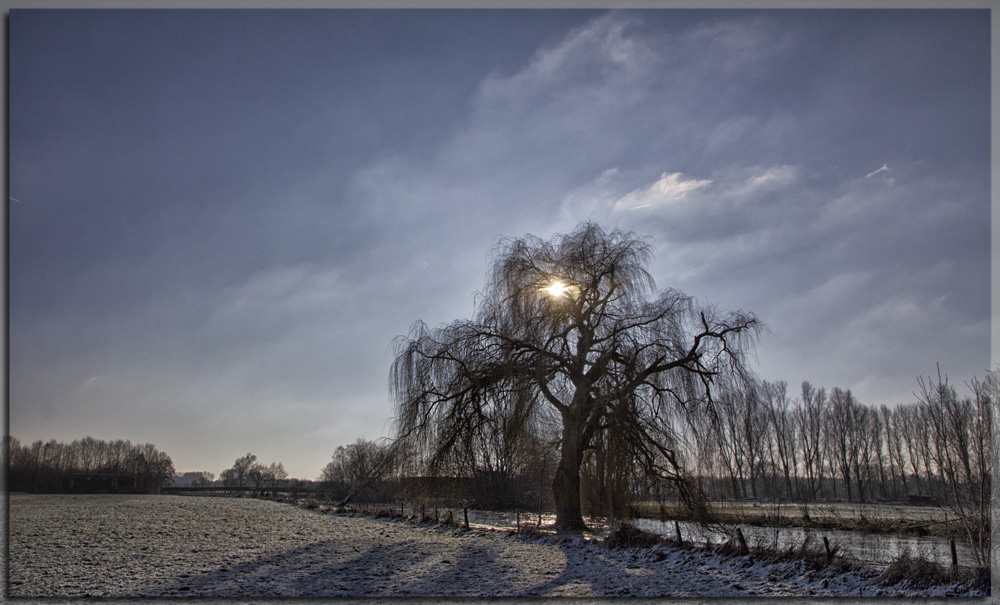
276, 475
244, 470
961, 432
575, 325
358, 467
87, 464
809, 424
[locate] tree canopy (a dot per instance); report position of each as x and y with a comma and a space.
574, 328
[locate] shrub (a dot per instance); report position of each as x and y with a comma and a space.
919, 572
980, 579
385, 513
630, 536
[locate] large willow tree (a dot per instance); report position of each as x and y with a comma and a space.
574, 325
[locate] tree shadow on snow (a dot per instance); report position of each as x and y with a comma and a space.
596, 574
323, 569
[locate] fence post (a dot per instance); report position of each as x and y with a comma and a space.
829, 553
954, 558
518, 514
677, 528
743, 543
466, 511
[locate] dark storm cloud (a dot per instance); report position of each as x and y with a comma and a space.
226, 217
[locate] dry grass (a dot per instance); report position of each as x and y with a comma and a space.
814, 554
630, 536
918, 572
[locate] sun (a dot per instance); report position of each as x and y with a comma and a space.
556, 289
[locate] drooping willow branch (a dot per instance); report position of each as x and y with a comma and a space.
574, 325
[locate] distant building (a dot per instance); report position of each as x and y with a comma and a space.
191, 478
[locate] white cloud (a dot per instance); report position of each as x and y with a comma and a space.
760, 180
586, 102
591, 201
885, 178
884, 168
281, 290
598, 52
909, 333
738, 45
671, 187
774, 177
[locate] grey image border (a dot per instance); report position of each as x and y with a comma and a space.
7, 5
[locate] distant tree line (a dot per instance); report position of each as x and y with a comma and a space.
248, 472
86, 465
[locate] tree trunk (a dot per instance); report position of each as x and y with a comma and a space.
566, 484
600, 505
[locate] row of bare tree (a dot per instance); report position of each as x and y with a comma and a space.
831, 446
86, 464
761, 444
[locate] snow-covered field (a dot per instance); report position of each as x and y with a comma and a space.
154, 546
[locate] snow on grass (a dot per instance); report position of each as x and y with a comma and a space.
155, 546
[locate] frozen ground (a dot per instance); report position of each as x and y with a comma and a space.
152, 546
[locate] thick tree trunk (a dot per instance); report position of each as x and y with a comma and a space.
566, 485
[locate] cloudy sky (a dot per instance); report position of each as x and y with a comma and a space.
219, 220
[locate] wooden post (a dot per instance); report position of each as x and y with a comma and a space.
743, 542
518, 516
954, 557
829, 553
541, 480
677, 528
466, 511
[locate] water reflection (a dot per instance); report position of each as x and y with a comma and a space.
863, 547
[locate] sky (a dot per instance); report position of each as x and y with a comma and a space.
220, 220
